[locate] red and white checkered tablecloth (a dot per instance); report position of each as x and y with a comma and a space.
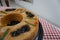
50, 32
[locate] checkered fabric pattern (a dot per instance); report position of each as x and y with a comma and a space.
50, 32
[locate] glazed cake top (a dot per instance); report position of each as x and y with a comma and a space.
18, 24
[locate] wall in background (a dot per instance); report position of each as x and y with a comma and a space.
48, 9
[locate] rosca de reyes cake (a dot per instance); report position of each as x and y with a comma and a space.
18, 24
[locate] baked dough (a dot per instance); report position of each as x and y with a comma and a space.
25, 18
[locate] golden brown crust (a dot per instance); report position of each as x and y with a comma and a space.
15, 15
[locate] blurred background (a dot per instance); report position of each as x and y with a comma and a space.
47, 9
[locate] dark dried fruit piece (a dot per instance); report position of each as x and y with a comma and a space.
15, 33
29, 14
24, 28
13, 23
10, 9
